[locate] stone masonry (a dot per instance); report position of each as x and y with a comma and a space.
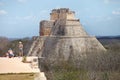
63, 37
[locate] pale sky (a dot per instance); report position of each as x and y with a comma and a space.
20, 18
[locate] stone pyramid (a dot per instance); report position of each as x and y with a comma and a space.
63, 37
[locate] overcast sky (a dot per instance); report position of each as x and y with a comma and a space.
20, 18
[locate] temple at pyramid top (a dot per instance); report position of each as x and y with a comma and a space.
62, 17
62, 13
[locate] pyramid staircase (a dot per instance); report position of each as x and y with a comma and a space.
36, 46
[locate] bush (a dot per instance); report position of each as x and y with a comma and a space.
24, 59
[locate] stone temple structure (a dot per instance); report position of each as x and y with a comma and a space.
63, 37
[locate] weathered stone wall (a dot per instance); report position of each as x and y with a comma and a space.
37, 46
69, 41
62, 13
66, 39
54, 16
45, 27
74, 28
70, 15
70, 48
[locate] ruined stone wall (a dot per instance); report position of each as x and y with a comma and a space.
45, 27
74, 28
68, 28
62, 13
69, 41
67, 48
70, 15
66, 38
37, 46
54, 16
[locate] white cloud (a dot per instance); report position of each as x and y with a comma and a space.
57, 7
106, 1
101, 18
30, 17
44, 14
112, 1
116, 12
3, 12
1, 4
44, 11
97, 17
12, 22
109, 18
22, 1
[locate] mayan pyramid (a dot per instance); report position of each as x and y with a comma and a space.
63, 37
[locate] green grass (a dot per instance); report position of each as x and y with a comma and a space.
78, 75
20, 76
72, 75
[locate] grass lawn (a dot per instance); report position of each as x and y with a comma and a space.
20, 76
